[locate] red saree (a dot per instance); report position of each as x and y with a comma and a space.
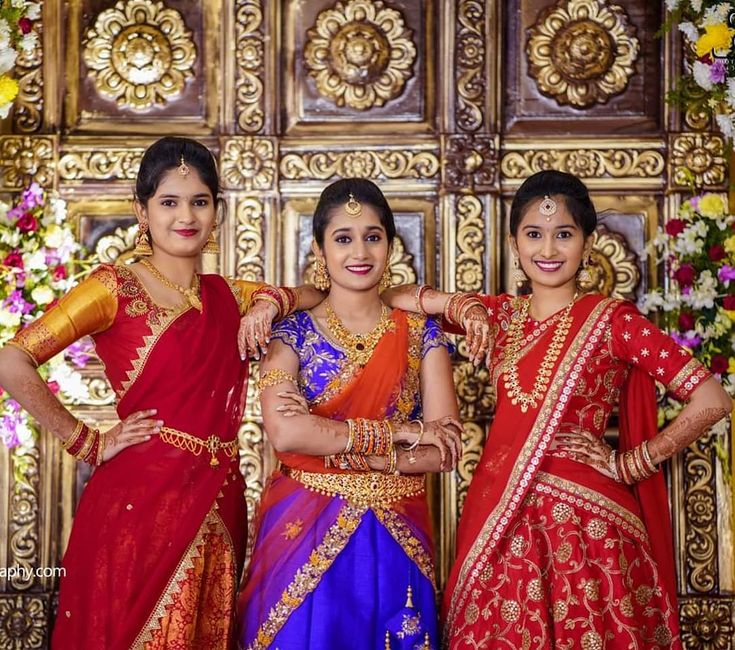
551, 553
158, 540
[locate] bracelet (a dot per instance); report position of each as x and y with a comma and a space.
67, 443
272, 295
612, 466
274, 377
647, 458
416, 442
391, 467
419, 295
290, 299
350, 436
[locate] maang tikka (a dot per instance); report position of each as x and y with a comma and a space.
183, 167
547, 207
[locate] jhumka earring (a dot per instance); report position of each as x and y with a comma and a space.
387, 280
322, 281
142, 243
519, 275
547, 207
353, 207
212, 246
183, 167
584, 276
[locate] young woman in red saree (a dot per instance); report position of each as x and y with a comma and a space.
564, 542
157, 544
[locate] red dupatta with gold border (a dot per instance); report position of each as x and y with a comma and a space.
515, 450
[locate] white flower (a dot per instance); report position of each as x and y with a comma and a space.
10, 237
716, 14
9, 319
696, 5
651, 302
35, 261
701, 74
703, 294
672, 4
18, 4
690, 31
55, 211
42, 295
69, 380
33, 10
7, 60
725, 122
4, 34
5, 109
54, 237
25, 434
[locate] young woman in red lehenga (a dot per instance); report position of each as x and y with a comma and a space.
563, 542
158, 540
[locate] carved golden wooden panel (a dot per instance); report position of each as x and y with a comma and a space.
583, 66
447, 106
365, 62
133, 66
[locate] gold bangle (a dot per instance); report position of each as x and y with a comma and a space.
274, 377
272, 300
69, 442
350, 436
647, 458
88, 442
100, 449
391, 467
419, 295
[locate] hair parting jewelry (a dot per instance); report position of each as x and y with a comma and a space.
183, 168
353, 207
547, 207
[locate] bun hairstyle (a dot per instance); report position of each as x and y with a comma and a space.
557, 185
338, 193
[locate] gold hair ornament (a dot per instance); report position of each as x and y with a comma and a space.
353, 207
547, 207
183, 167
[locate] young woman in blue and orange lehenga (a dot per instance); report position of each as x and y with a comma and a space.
343, 531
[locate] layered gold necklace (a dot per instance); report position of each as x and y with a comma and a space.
358, 347
191, 294
512, 355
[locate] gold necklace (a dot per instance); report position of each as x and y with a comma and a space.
515, 340
358, 347
191, 294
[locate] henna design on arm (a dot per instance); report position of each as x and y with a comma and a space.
682, 432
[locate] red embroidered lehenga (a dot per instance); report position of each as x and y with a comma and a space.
551, 553
158, 540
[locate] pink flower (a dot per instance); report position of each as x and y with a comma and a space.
59, 273
685, 275
32, 196
14, 259
27, 223
716, 252
726, 273
719, 364
25, 24
675, 227
54, 387
717, 71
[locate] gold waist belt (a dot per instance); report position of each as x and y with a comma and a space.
187, 442
372, 489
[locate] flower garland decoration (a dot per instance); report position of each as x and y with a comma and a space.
16, 37
709, 29
698, 305
37, 262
